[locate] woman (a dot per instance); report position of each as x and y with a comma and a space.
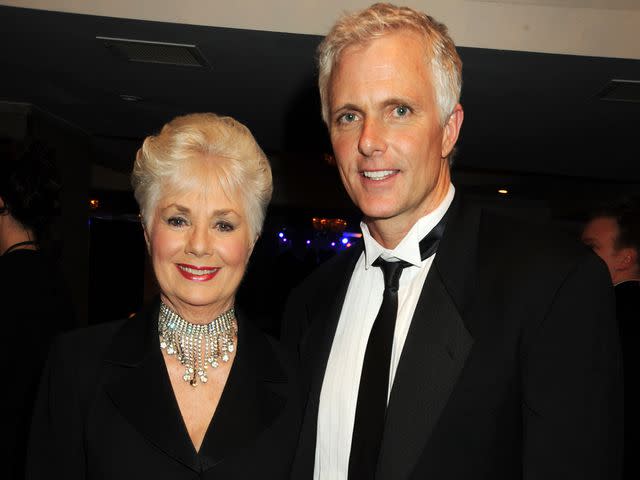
35, 303
187, 387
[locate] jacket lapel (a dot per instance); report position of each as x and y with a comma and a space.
315, 350
140, 388
435, 350
251, 400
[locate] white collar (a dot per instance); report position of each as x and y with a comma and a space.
408, 249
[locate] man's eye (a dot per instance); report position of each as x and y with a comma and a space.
401, 111
176, 221
225, 226
347, 118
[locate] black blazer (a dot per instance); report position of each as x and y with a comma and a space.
106, 410
511, 368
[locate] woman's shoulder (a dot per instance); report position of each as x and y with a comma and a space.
83, 347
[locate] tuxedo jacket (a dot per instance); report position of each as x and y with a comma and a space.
511, 368
106, 410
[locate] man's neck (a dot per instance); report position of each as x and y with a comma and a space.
389, 232
632, 277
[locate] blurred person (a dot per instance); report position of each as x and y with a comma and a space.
613, 232
35, 300
188, 388
454, 343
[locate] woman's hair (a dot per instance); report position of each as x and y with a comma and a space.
30, 187
381, 19
165, 160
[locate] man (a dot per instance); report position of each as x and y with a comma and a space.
503, 361
613, 232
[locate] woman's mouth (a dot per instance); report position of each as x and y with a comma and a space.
197, 274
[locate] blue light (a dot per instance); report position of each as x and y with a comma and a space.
281, 235
345, 241
308, 242
284, 240
333, 244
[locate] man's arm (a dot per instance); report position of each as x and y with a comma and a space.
572, 383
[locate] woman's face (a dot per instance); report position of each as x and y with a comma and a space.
200, 244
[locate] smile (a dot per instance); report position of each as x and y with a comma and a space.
378, 175
197, 274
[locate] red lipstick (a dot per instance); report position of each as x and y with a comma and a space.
197, 274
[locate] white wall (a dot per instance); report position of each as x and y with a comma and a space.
603, 28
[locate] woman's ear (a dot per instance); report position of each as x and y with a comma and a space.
146, 235
253, 244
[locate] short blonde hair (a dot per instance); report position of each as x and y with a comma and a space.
380, 19
242, 166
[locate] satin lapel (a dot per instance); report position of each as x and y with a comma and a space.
435, 350
324, 311
140, 389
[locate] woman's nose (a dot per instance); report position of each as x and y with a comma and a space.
200, 242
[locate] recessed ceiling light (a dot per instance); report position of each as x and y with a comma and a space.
503, 191
130, 98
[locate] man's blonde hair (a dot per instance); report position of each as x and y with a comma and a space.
380, 19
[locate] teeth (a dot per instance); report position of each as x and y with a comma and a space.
379, 174
197, 272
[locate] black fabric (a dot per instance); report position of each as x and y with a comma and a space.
36, 305
113, 415
627, 314
374, 380
511, 368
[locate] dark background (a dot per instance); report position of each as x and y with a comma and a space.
552, 129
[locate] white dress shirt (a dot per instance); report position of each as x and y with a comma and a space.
339, 394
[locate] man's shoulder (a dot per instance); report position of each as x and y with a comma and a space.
528, 247
328, 272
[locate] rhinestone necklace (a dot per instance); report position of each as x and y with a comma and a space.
197, 346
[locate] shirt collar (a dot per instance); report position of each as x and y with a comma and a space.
409, 247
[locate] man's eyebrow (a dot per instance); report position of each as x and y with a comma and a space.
385, 103
398, 101
346, 106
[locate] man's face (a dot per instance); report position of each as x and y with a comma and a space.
390, 148
600, 234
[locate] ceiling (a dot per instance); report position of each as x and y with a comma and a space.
528, 115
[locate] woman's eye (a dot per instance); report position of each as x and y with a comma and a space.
401, 111
224, 226
176, 221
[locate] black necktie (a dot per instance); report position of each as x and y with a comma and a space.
374, 382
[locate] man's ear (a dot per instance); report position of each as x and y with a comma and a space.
452, 130
628, 258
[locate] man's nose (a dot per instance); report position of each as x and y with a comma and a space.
372, 137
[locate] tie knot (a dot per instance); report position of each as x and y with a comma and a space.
391, 272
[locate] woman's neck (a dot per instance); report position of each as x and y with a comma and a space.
14, 236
